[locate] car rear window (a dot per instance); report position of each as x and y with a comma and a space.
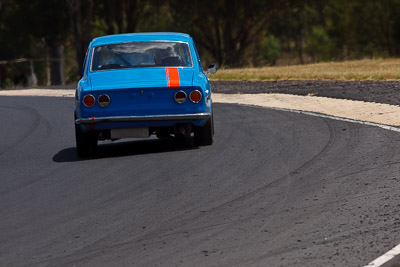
141, 55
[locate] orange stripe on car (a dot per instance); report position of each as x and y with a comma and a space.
172, 77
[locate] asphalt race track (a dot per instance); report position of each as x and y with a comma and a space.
275, 189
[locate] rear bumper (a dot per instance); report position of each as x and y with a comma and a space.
143, 118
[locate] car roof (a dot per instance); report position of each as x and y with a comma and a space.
138, 37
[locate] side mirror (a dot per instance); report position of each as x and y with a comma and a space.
212, 68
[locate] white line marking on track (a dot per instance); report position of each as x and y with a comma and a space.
385, 257
383, 126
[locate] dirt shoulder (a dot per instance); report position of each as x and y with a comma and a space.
349, 109
371, 101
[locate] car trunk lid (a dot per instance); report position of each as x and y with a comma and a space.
168, 77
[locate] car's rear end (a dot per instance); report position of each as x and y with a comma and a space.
138, 88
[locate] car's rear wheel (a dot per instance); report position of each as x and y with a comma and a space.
204, 135
86, 143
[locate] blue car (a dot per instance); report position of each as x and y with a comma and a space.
139, 84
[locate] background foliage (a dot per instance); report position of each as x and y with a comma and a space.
233, 33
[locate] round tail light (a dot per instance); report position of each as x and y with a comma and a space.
195, 96
89, 100
103, 100
180, 97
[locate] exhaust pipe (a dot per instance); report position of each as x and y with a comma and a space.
183, 130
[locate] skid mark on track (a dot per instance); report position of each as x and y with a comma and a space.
290, 174
287, 179
30, 129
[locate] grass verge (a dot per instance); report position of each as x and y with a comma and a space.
357, 70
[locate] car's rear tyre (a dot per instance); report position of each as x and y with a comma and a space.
204, 135
86, 143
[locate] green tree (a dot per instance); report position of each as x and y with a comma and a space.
52, 27
81, 17
34, 29
226, 29
270, 50
364, 28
